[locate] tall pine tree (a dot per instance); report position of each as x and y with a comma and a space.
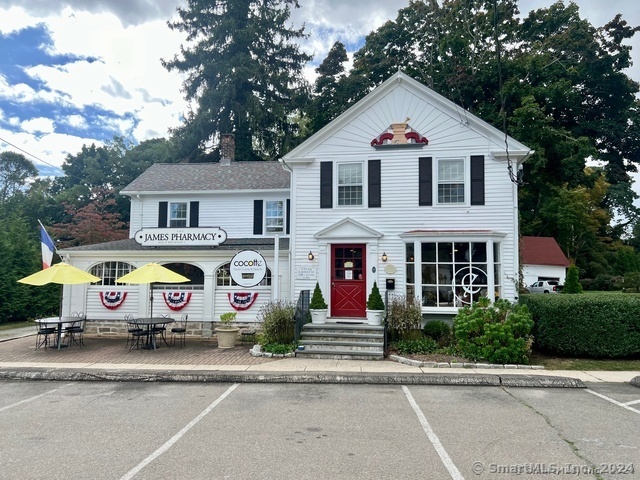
243, 76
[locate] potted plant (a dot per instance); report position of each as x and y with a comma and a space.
375, 306
317, 306
227, 333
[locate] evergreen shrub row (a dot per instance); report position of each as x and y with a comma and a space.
593, 325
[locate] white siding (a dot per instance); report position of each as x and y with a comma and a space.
449, 135
233, 212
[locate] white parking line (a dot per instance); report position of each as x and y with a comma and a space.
444, 456
31, 399
615, 402
633, 402
131, 473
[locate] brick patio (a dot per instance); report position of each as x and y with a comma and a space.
113, 351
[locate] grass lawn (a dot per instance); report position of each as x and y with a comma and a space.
10, 325
563, 363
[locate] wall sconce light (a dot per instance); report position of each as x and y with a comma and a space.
310, 256
384, 257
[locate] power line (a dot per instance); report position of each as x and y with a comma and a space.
30, 154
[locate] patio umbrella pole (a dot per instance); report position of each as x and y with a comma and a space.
151, 299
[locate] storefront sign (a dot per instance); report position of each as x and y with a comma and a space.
188, 237
306, 273
248, 268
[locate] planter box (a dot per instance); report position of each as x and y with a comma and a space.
227, 336
318, 316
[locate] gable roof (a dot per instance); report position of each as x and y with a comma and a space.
393, 112
192, 177
542, 251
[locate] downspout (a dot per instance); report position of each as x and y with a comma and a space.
292, 242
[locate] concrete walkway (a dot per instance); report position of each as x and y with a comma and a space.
201, 360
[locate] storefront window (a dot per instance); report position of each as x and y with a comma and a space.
453, 274
110, 271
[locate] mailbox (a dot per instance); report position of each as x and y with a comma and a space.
391, 283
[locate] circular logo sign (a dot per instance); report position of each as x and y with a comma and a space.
248, 268
468, 282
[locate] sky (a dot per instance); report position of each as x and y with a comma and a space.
79, 72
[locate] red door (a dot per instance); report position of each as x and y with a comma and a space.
348, 281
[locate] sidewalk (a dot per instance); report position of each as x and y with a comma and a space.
108, 359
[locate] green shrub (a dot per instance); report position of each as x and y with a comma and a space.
607, 283
404, 316
375, 301
422, 346
498, 333
317, 300
438, 330
572, 282
278, 324
632, 281
597, 325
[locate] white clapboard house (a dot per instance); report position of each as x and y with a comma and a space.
405, 189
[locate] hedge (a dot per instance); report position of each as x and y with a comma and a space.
589, 325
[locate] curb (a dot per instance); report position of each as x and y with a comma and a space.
290, 377
419, 363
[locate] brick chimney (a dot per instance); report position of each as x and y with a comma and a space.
227, 148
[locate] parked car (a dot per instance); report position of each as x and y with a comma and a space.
545, 286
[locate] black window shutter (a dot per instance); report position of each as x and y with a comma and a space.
425, 181
374, 184
288, 217
163, 211
257, 217
477, 180
326, 184
194, 213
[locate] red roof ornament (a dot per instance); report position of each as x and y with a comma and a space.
399, 134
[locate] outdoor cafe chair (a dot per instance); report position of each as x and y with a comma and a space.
134, 331
43, 333
180, 331
138, 335
160, 329
76, 329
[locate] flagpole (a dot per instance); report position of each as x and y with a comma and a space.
55, 249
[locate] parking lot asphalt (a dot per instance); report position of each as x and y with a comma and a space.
200, 360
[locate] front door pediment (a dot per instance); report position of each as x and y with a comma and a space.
347, 228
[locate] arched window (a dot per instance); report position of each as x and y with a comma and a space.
110, 271
223, 277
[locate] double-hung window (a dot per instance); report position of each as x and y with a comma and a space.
275, 216
178, 214
350, 184
451, 181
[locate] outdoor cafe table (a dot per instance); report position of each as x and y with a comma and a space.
150, 323
60, 322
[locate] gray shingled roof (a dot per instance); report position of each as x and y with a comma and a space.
229, 244
181, 177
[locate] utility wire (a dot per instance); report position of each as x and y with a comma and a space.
24, 151
516, 177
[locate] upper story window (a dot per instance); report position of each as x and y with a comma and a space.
110, 271
451, 180
350, 184
178, 214
274, 216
